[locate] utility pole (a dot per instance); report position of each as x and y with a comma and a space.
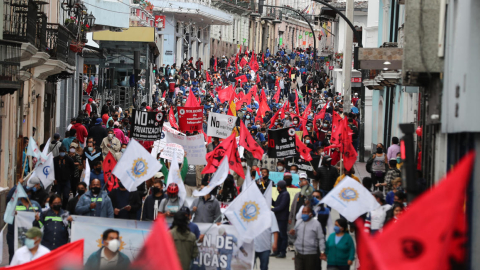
347, 59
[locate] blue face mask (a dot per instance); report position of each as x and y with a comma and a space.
30, 243
336, 229
62, 154
305, 217
34, 189
90, 149
399, 160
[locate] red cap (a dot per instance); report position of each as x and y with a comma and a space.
90, 100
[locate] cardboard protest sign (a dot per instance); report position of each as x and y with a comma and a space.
167, 152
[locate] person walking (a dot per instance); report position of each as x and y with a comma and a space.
95, 202
340, 249
309, 241
185, 241
378, 168
281, 210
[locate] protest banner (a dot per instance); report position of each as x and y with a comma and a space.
146, 126
220, 246
167, 152
23, 222
281, 143
190, 118
220, 125
278, 176
193, 145
305, 166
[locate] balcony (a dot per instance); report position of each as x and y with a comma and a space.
10, 52
240, 7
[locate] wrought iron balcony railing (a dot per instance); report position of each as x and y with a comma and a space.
10, 52
58, 38
20, 21
41, 38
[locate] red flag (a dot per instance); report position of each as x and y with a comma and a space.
263, 97
253, 63
236, 59
307, 111
274, 118
191, 100
226, 93
108, 164
243, 62
171, 118
68, 256
367, 252
262, 109
208, 77
426, 240
263, 58
89, 87
247, 141
227, 148
242, 78
277, 95
322, 112
164, 92
337, 137
290, 73
215, 65
336, 120
159, 238
296, 104
245, 99
303, 149
236, 69
258, 78
349, 155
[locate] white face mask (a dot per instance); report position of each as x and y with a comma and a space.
110, 136
293, 171
280, 168
307, 141
113, 245
244, 164
295, 122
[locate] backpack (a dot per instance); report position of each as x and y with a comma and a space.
355, 131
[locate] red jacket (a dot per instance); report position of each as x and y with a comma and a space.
82, 132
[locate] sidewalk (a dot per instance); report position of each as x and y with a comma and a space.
360, 170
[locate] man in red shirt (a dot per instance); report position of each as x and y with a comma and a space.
355, 99
171, 87
82, 132
199, 64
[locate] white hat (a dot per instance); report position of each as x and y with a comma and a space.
302, 176
158, 175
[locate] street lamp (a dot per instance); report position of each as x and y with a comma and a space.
90, 20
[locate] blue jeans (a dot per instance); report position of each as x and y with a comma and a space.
283, 236
264, 257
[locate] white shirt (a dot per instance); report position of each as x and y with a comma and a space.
263, 241
105, 262
377, 216
23, 255
69, 127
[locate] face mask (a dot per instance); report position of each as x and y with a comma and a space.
280, 168
155, 190
113, 245
90, 149
72, 150
95, 190
56, 207
293, 171
248, 117
110, 136
80, 192
325, 125
99, 169
308, 128
62, 154
399, 160
305, 217
307, 141
379, 150
336, 229
30, 243
244, 164
123, 150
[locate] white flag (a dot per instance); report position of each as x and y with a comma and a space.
34, 151
45, 172
217, 179
350, 199
12, 204
174, 176
136, 166
248, 180
268, 194
86, 174
249, 213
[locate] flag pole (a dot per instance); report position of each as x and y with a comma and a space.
214, 222
143, 203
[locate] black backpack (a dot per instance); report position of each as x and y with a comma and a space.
355, 131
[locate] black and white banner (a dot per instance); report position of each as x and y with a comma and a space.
147, 126
281, 143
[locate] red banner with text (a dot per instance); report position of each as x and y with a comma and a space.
190, 118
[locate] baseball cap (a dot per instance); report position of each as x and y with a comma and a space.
158, 175
33, 181
185, 209
303, 175
327, 158
379, 194
56, 136
34, 232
